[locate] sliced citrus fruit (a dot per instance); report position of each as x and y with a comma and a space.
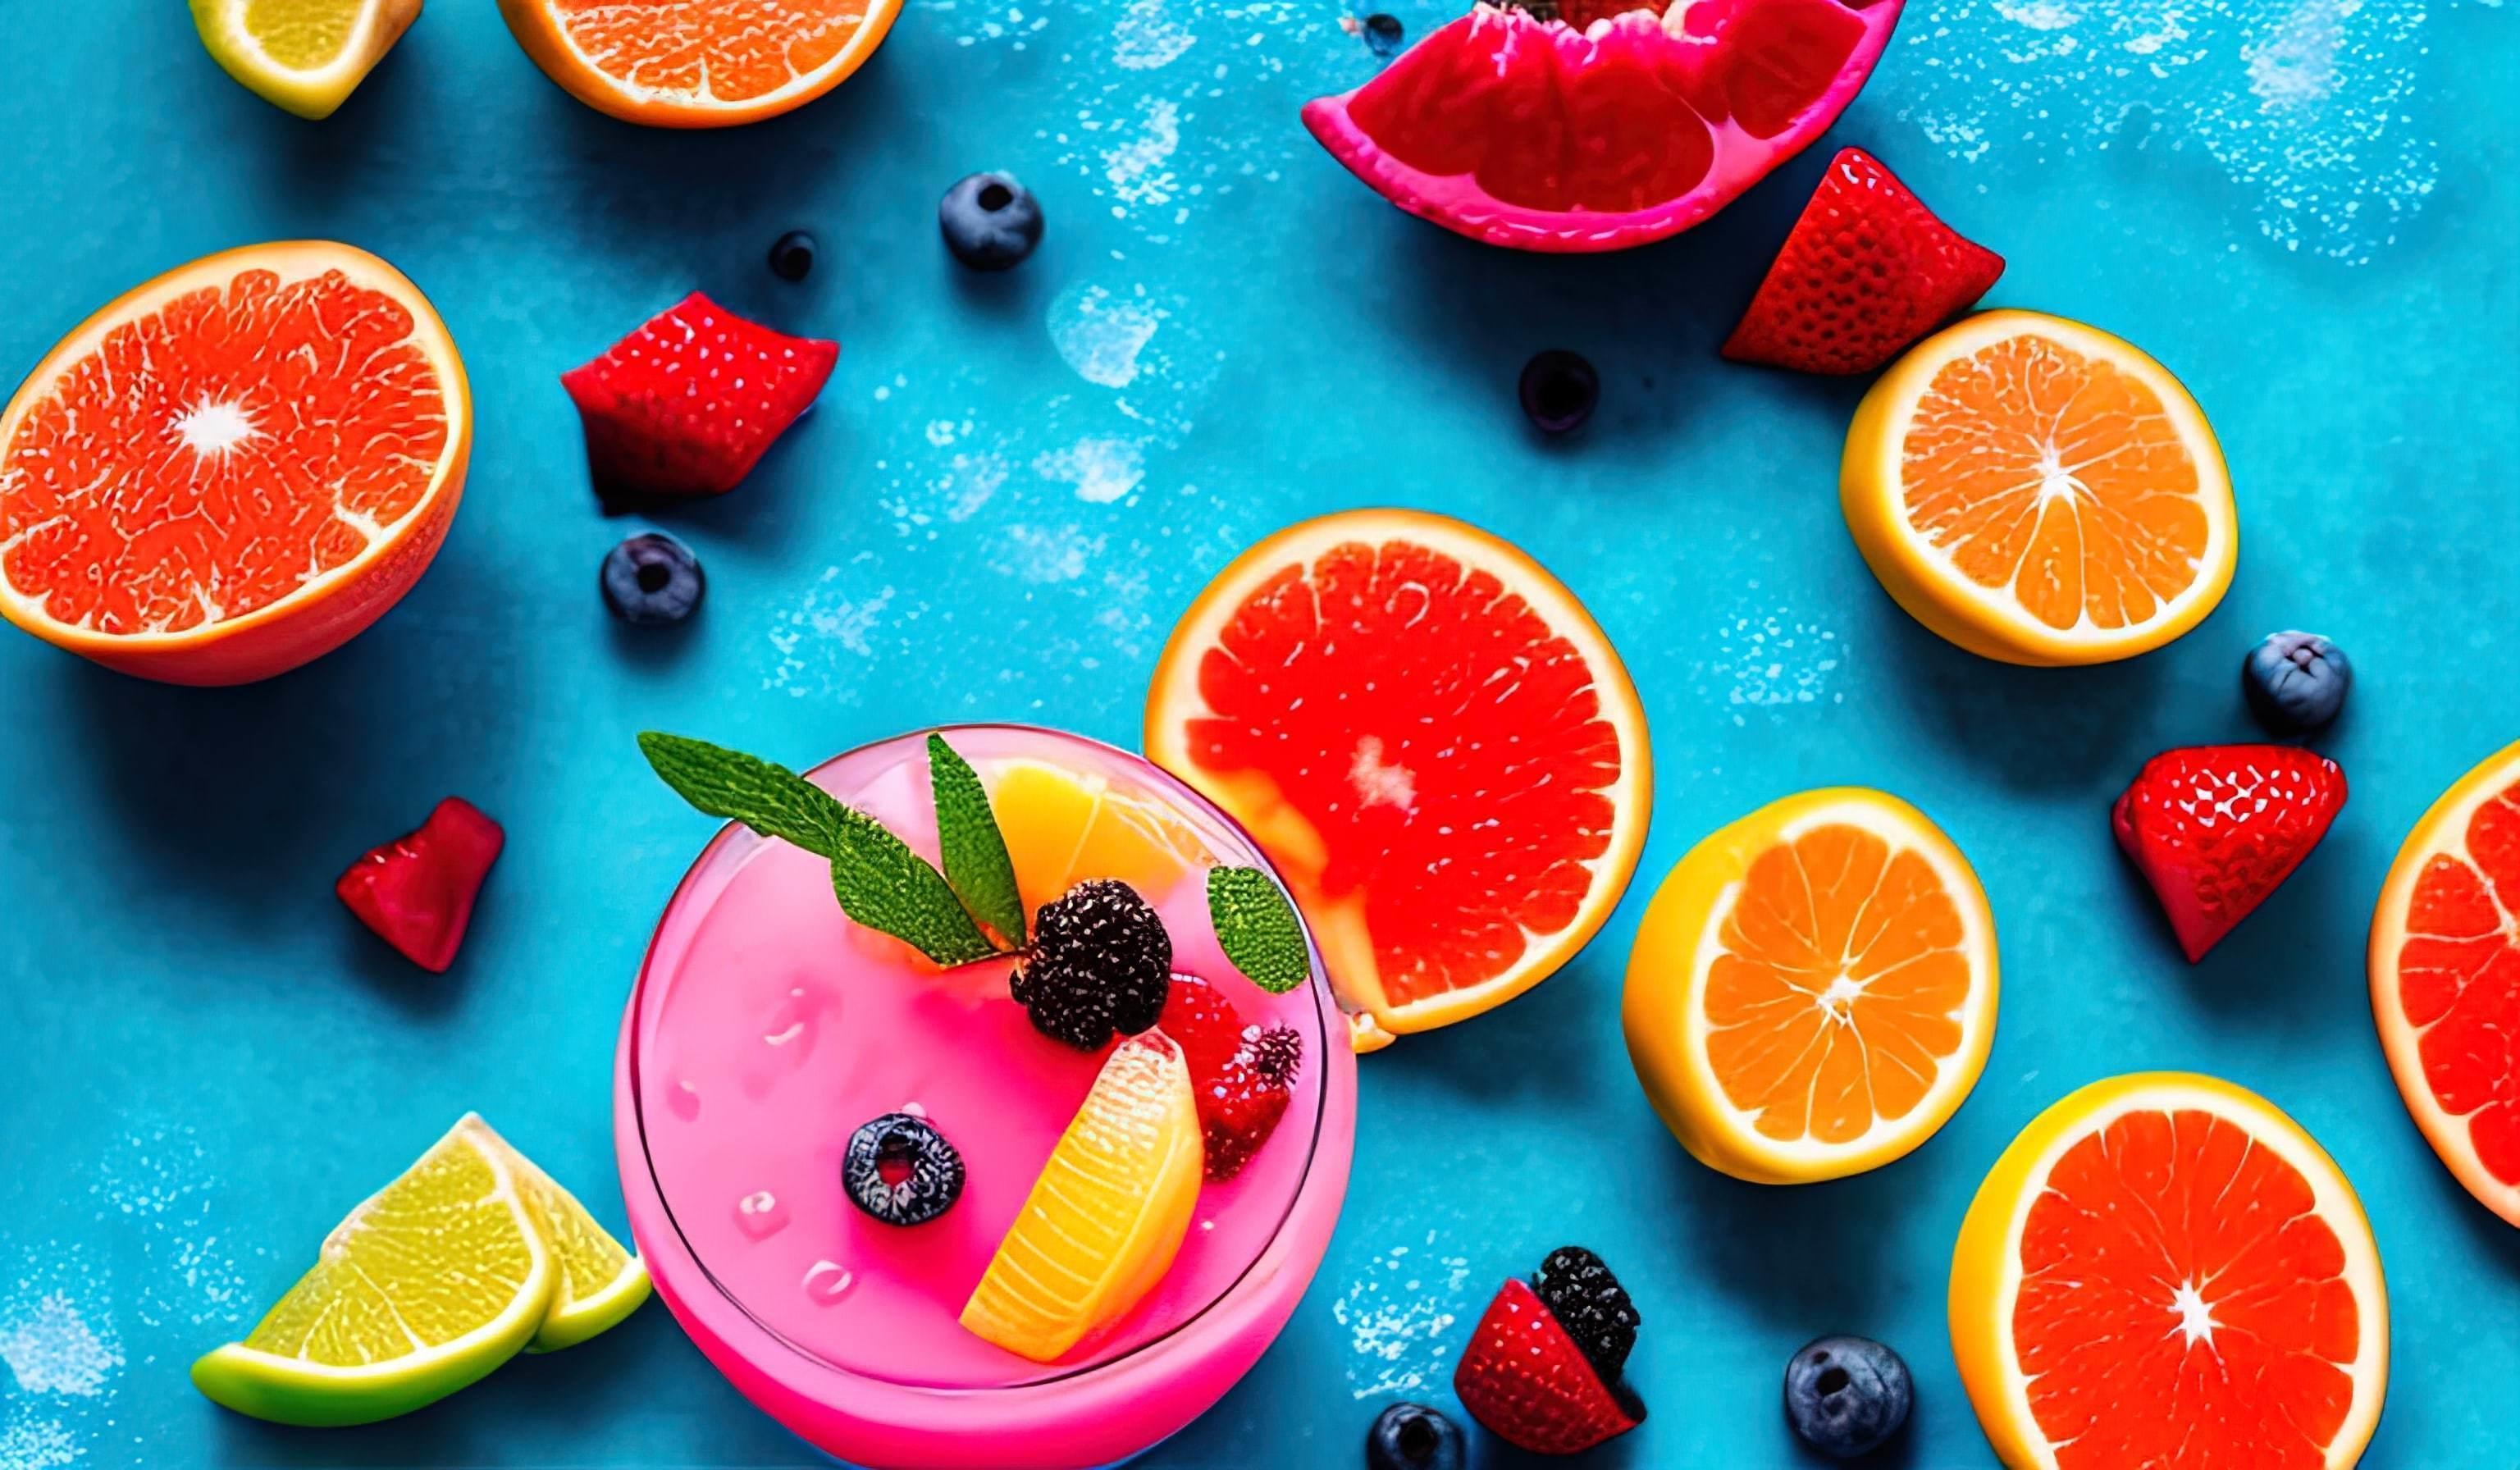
2444, 969
235, 468
1432, 740
1612, 126
1812, 990
304, 56
598, 1282
2040, 492
698, 63
2164, 1269
1103, 1220
433, 1282
1062, 827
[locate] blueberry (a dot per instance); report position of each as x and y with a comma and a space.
900, 1170
2295, 681
1558, 390
792, 256
1847, 1395
1382, 33
1414, 1436
990, 221
652, 578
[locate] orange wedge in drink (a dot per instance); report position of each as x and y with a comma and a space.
1812, 990
1062, 827
235, 468
699, 63
2040, 492
2164, 1269
1108, 1213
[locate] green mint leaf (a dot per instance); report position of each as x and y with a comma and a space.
878, 880
977, 863
1256, 927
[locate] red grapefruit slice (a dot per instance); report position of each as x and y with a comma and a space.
1432, 740
2165, 1271
234, 467
2445, 966
1546, 136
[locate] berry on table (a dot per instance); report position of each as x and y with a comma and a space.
1582, 1294
900, 1170
1414, 1436
1559, 390
416, 891
1382, 35
1527, 1376
1847, 1396
2295, 681
792, 256
651, 579
689, 402
990, 221
1100, 965
2217, 828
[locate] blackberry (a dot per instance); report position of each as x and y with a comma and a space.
1100, 965
900, 1170
1591, 1305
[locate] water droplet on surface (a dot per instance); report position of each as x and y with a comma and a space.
760, 1214
827, 1281
685, 1101
914, 1110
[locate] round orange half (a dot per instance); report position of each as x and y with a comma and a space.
699, 63
2163, 1269
232, 469
2445, 967
1433, 741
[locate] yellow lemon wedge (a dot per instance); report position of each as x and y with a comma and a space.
303, 55
1108, 1213
434, 1280
598, 1282
1812, 990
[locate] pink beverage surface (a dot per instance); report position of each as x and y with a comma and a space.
783, 1026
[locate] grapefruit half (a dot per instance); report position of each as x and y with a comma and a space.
2164, 1269
1432, 740
2445, 966
1542, 135
235, 468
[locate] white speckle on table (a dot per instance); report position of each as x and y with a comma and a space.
834, 616
1149, 35
51, 1347
1100, 334
1399, 1318
159, 1178
31, 1442
1771, 660
1135, 166
1102, 470
1045, 553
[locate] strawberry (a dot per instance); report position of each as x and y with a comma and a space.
417, 892
2215, 828
1866, 270
687, 404
1242, 1074
1525, 1378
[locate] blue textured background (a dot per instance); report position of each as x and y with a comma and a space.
2304, 207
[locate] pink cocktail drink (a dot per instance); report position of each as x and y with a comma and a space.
767, 1026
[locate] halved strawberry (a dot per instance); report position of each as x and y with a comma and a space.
417, 892
1528, 1381
689, 403
1867, 271
2216, 828
1242, 1076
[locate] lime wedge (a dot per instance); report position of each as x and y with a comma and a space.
433, 1282
305, 56
599, 1283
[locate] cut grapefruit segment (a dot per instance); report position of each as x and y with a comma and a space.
1546, 136
1106, 1217
235, 468
1432, 739
2164, 1269
699, 63
2040, 492
1813, 991
2445, 967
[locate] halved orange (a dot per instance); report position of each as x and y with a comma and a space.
235, 468
1108, 1214
699, 63
1432, 740
2040, 492
1813, 991
2445, 967
2164, 1269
